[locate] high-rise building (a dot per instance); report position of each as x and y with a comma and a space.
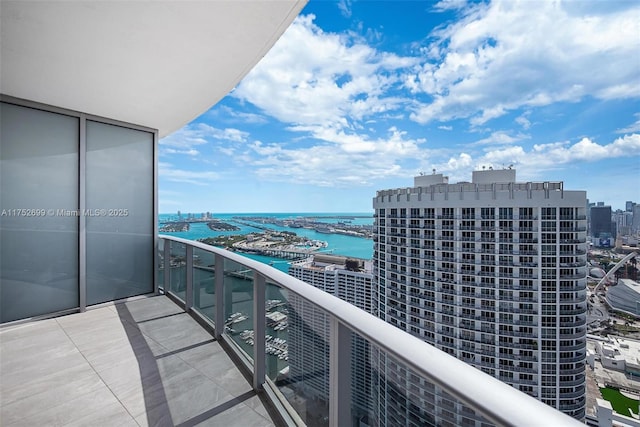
601, 229
622, 221
349, 279
628, 206
635, 224
493, 272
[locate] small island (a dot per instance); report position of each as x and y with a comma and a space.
281, 244
217, 225
174, 227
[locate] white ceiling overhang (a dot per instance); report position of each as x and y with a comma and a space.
158, 64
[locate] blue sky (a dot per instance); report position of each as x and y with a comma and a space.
359, 96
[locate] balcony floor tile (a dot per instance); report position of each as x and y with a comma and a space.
143, 362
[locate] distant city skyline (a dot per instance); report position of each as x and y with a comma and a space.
360, 96
197, 212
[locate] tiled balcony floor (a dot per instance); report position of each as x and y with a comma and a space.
143, 362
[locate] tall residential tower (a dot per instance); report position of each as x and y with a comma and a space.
493, 272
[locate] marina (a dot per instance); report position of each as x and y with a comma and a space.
274, 346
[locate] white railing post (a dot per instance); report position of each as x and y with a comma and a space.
259, 330
188, 298
166, 249
339, 374
219, 292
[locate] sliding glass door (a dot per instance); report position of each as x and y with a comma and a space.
77, 211
120, 225
38, 212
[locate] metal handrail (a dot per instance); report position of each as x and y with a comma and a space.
496, 401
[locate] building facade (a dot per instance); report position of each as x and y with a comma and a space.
492, 272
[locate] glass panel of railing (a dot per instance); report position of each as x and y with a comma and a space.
160, 255
238, 305
204, 283
302, 375
400, 393
362, 407
276, 331
178, 269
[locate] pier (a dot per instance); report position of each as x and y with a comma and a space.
291, 254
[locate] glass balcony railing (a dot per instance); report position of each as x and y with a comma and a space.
323, 362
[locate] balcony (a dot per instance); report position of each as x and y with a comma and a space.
162, 360
143, 362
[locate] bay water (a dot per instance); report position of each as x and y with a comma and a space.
338, 244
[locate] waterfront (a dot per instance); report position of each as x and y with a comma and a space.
337, 244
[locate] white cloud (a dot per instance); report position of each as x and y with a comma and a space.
345, 8
323, 79
501, 138
511, 54
523, 121
184, 140
344, 159
188, 152
541, 157
168, 172
227, 134
444, 5
633, 127
236, 116
445, 127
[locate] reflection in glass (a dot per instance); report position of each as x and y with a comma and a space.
277, 332
204, 283
398, 392
119, 219
178, 269
39, 200
306, 384
238, 305
160, 257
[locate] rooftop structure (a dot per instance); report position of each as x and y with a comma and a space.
625, 296
347, 278
620, 354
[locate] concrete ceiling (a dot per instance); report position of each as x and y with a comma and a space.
158, 64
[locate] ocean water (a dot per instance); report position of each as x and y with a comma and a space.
337, 244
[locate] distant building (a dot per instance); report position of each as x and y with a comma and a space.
635, 224
601, 225
623, 221
625, 296
347, 278
619, 354
628, 206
